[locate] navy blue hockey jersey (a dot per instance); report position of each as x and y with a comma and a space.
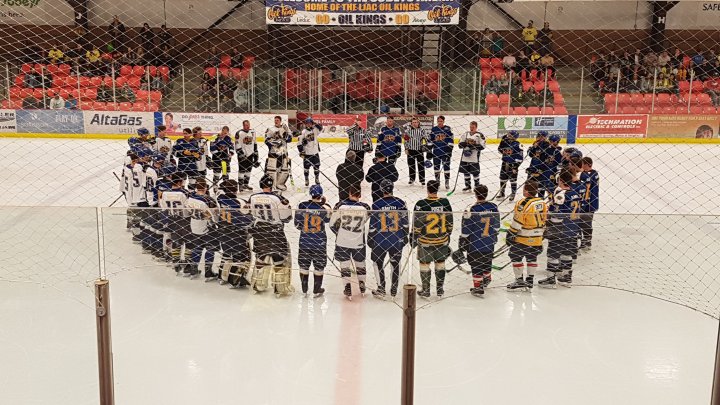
389, 223
310, 219
480, 228
442, 140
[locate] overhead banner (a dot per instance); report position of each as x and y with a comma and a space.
684, 126
117, 122
356, 13
212, 123
8, 123
335, 125
612, 126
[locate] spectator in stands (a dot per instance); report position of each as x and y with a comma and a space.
214, 57
492, 86
117, 33
140, 56
509, 62
127, 94
650, 60
57, 103
485, 42
544, 39
165, 38
637, 58
504, 83
663, 59
531, 96
104, 93
498, 44
147, 38
55, 55
71, 103
30, 103
712, 88
236, 58
92, 60
547, 61
523, 63
535, 59
75, 55
241, 98
208, 80
157, 82
698, 59
225, 91
227, 104
529, 34
81, 38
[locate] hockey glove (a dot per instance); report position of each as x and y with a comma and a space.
463, 245
458, 257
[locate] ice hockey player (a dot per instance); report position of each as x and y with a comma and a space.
590, 201
277, 165
132, 185
203, 220
553, 157
176, 222
309, 148
480, 227
432, 226
142, 140
222, 153
471, 142
247, 154
442, 140
525, 236
151, 233
415, 141
273, 261
203, 152
562, 232
380, 171
310, 219
359, 141
187, 153
348, 222
234, 223
512, 158
349, 174
389, 233
389, 141
163, 144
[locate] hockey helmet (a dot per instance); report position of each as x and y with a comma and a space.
308, 120
159, 157
458, 257
513, 134
316, 190
542, 133
554, 138
143, 132
266, 182
386, 186
229, 187
573, 152
428, 163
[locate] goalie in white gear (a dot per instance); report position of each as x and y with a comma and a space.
277, 165
247, 154
272, 252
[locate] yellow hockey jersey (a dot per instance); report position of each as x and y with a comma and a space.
529, 217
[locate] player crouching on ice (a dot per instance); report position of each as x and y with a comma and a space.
480, 227
348, 223
525, 236
272, 252
310, 219
277, 165
233, 229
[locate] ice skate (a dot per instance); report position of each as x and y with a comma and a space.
209, 275
440, 292
477, 291
530, 281
512, 197
518, 284
500, 196
318, 292
565, 280
548, 282
379, 293
411, 182
424, 293
486, 281
393, 292
447, 184
362, 288
307, 183
348, 292
466, 189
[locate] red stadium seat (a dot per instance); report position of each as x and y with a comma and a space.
134, 82
165, 73
153, 70
20, 80
560, 110
86, 105
704, 99
26, 68
547, 111
90, 94
666, 110
110, 106
26, 92
248, 61
539, 86
99, 106
138, 71
125, 106
681, 110
533, 111
211, 71
610, 109
558, 99
155, 96
696, 109
493, 111
504, 99
6, 105
496, 63
663, 100
610, 98
64, 93
15, 92
491, 99
38, 93
225, 61
142, 95
554, 86
153, 107
71, 81
138, 106
126, 70
637, 99
642, 109
624, 98
96, 81
505, 110
51, 92
121, 81
485, 63
108, 81
519, 111
708, 109
84, 82
224, 71
684, 86
648, 99
76, 93
627, 109
697, 86
64, 69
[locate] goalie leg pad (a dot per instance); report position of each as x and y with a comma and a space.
261, 274
281, 276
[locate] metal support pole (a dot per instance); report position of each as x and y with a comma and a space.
104, 342
285, 83
149, 85
715, 399
480, 91
439, 92
112, 73
251, 79
617, 94
475, 95
692, 78
652, 105
378, 78
582, 80
509, 96
545, 89
405, 90
77, 71
407, 383
345, 96
42, 80
7, 79
217, 88
182, 82
320, 88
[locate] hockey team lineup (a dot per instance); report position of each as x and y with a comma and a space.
203, 226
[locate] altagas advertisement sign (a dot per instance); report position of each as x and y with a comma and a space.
117, 122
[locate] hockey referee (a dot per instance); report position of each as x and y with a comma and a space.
415, 141
359, 141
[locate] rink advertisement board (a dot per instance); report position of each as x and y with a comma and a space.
494, 127
358, 13
335, 125
49, 121
8, 122
684, 126
612, 126
117, 122
376, 122
212, 123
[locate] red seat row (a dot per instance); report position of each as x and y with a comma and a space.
87, 82
65, 70
237, 73
556, 110
659, 100
533, 75
695, 109
504, 100
95, 106
86, 94
247, 63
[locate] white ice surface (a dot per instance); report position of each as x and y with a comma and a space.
178, 341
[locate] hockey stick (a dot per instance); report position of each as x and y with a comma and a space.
328, 179
292, 177
455, 185
121, 195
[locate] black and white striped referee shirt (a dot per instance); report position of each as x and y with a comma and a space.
417, 135
357, 137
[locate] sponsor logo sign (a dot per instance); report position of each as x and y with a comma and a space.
612, 126
117, 122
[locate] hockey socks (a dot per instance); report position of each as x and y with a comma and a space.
440, 280
317, 284
425, 277
304, 278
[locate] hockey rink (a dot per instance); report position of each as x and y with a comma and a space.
182, 341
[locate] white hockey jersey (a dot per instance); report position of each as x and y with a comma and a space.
204, 149
349, 219
151, 178
132, 184
245, 142
309, 141
174, 201
472, 153
270, 208
276, 138
164, 142
202, 213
